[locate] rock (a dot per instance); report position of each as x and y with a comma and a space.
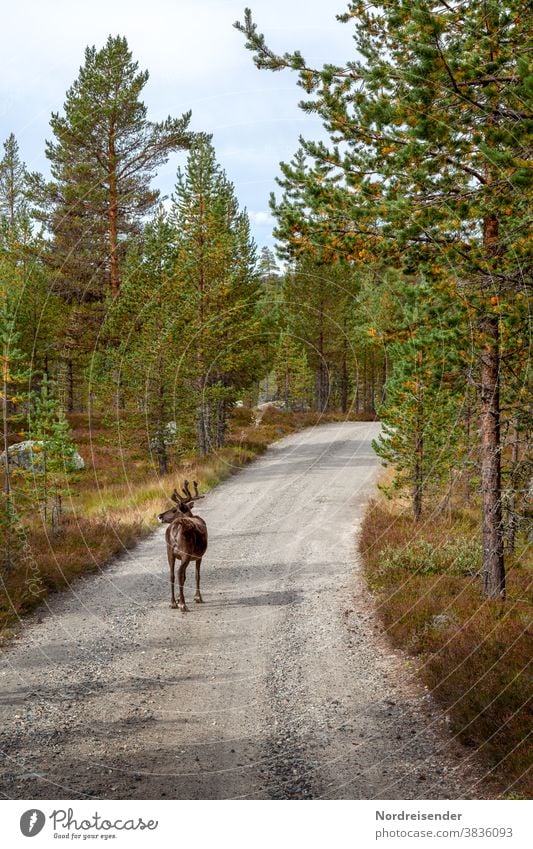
169, 434
22, 455
442, 622
27, 455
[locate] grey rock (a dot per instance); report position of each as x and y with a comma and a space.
23, 455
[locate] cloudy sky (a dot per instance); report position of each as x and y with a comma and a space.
196, 61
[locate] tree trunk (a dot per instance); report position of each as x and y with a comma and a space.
57, 510
372, 409
418, 471
7, 471
383, 396
70, 386
322, 387
113, 218
321, 376
344, 377
512, 517
418, 481
364, 404
221, 424
202, 429
162, 457
493, 567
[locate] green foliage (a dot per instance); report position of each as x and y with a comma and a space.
11, 540
427, 170
13, 184
294, 378
225, 339
54, 449
189, 327
15, 373
318, 297
455, 557
103, 158
13, 394
139, 373
422, 436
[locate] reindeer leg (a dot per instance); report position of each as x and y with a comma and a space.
181, 581
171, 561
198, 597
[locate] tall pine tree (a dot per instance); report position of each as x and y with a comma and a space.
223, 343
103, 159
428, 166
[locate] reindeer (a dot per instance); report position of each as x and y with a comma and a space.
186, 538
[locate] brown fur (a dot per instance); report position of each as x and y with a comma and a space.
187, 535
186, 538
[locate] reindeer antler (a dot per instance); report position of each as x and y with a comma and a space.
187, 497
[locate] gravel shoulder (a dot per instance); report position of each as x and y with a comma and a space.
281, 686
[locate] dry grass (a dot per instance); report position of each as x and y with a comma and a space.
474, 654
114, 502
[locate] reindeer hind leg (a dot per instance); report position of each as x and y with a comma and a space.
198, 597
181, 581
171, 562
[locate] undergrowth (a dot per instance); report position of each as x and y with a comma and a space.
474, 654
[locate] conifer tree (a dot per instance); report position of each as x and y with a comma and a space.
13, 392
267, 266
428, 167
215, 271
422, 429
39, 313
54, 450
144, 367
104, 155
13, 183
294, 378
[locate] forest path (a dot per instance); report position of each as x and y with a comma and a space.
280, 686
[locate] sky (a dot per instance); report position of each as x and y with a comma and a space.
196, 60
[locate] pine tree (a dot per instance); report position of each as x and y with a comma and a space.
103, 159
142, 372
294, 378
54, 451
13, 182
428, 167
224, 338
267, 267
13, 389
421, 425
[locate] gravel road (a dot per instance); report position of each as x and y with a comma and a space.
281, 686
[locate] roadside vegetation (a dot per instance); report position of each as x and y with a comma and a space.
473, 653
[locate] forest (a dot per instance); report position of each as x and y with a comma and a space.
141, 335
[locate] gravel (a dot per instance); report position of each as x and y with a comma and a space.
281, 686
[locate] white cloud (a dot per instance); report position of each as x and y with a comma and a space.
195, 59
261, 217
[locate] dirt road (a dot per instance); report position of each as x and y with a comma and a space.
279, 686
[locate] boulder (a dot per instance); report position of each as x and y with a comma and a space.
26, 455
170, 432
